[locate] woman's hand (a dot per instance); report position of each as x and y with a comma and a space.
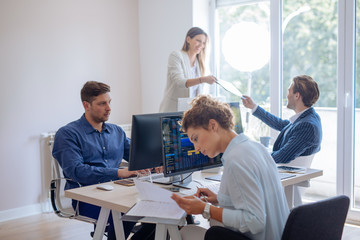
191, 204
208, 79
206, 195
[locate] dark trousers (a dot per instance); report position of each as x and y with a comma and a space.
217, 232
92, 211
146, 232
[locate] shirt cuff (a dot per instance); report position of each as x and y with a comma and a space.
254, 109
231, 219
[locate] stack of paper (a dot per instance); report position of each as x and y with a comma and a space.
155, 202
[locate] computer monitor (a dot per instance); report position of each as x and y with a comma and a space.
235, 107
146, 140
179, 155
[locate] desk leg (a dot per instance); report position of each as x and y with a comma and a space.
118, 225
161, 231
174, 232
101, 223
289, 193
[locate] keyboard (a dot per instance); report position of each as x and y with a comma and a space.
153, 176
156, 178
214, 187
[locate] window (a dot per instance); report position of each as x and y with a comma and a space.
309, 31
356, 161
243, 52
319, 38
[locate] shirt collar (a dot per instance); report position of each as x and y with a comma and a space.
296, 116
90, 129
233, 144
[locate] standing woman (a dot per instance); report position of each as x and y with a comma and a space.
186, 70
251, 203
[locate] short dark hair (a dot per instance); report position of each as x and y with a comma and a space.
205, 108
92, 89
307, 88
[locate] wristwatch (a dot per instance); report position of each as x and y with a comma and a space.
206, 213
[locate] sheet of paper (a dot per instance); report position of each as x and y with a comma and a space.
229, 87
156, 209
151, 192
155, 202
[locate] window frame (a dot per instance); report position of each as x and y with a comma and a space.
346, 78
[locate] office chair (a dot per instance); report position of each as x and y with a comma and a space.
319, 220
61, 205
322, 220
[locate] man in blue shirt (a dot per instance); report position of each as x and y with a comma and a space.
90, 151
300, 135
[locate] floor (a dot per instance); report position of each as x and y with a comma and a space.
48, 226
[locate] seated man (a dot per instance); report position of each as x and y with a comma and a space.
300, 135
90, 151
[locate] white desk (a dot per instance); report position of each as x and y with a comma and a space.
118, 201
122, 198
289, 183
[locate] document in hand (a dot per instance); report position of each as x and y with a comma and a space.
155, 202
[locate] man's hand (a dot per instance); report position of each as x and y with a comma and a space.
125, 173
248, 102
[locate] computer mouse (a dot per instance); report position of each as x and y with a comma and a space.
105, 187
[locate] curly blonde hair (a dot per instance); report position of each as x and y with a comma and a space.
205, 108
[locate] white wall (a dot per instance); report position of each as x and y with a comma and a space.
163, 25
162, 28
48, 50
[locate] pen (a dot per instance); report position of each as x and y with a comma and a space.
202, 196
150, 176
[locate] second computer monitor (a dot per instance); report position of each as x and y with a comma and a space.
146, 140
179, 153
235, 107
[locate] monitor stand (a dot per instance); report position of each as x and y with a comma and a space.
168, 180
185, 182
182, 180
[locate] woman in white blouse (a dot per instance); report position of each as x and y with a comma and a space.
186, 76
251, 203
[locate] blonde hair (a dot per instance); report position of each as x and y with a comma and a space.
205, 108
202, 55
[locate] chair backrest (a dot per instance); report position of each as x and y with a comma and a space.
301, 161
319, 220
61, 205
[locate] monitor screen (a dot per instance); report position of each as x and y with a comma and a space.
179, 153
235, 107
146, 140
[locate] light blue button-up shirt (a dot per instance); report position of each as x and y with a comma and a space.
251, 192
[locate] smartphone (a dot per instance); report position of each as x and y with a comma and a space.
126, 182
174, 189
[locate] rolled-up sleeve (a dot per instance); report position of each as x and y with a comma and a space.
249, 210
